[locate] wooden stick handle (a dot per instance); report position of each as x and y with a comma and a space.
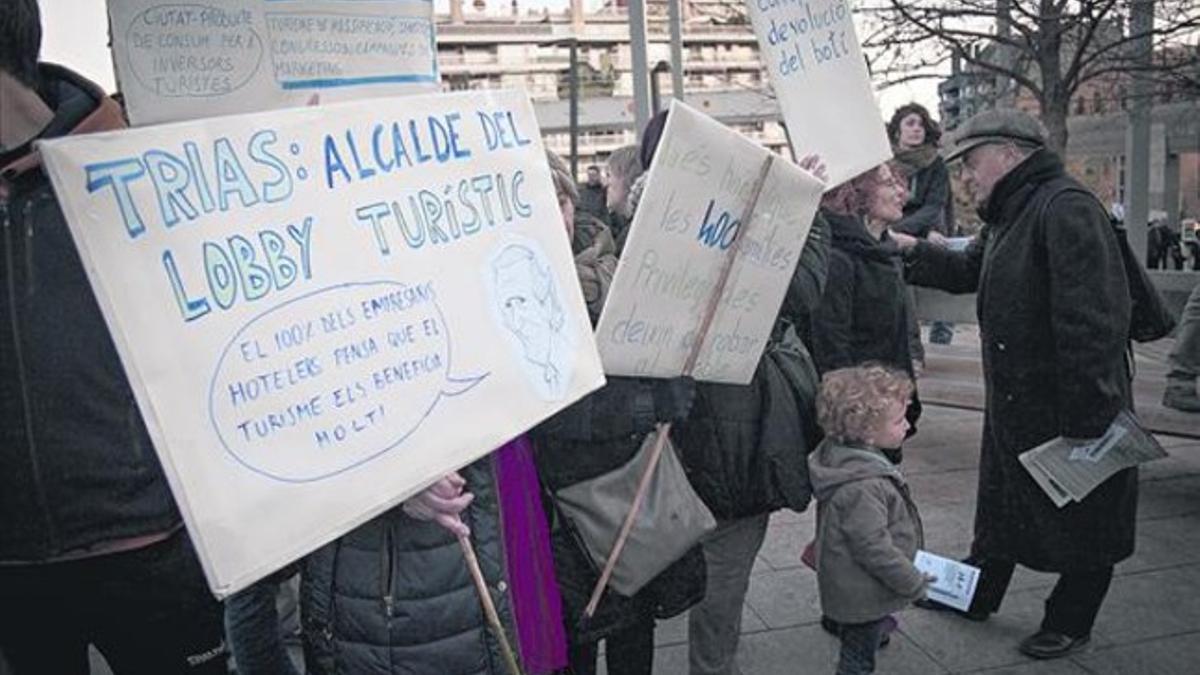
489, 608
664, 430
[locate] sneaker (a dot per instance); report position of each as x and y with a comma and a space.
1048, 644
1181, 398
976, 615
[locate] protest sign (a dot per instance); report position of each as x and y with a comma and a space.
820, 77
702, 178
178, 61
323, 310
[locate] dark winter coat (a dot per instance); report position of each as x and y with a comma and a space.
77, 468
864, 314
743, 447
1053, 307
597, 435
395, 595
930, 205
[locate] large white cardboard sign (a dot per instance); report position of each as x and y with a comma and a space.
181, 59
820, 77
702, 178
323, 310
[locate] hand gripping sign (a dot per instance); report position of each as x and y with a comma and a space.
310, 303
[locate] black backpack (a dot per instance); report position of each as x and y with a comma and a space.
1149, 317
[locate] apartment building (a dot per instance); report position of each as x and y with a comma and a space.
488, 45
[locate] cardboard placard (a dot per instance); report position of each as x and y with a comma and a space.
324, 310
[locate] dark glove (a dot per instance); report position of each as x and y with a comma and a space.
673, 398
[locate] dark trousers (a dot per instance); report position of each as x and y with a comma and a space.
252, 626
1072, 606
148, 611
629, 651
860, 641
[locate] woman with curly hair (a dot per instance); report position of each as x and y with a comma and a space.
929, 210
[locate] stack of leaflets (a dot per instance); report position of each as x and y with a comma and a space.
1067, 471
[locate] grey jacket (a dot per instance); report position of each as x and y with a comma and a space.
868, 531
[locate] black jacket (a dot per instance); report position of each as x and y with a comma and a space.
745, 447
930, 204
863, 315
1053, 307
395, 595
77, 468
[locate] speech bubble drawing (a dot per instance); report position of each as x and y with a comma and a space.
193, 51
333, 379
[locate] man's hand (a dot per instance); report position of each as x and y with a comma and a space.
442, 503
936, 238
904, 242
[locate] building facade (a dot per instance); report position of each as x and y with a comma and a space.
488, 47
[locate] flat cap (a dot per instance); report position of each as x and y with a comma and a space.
996, 126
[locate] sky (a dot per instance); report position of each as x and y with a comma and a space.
76, 35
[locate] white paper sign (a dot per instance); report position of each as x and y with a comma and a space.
187, 60
817, 68
699, 184
956, 581
323, 310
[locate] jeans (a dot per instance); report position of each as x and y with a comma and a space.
1072, 606
627, 652
1185, 357
148, 611
252, 628
715, 624
860, 641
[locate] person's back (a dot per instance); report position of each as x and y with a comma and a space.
92, 548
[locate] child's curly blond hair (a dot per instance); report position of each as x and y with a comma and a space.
854, 402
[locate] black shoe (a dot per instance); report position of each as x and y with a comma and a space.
1047, 644
976, 615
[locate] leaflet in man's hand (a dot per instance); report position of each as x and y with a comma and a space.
1068, 470
956, 581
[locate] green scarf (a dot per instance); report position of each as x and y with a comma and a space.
915, 159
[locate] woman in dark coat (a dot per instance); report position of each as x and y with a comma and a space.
864, 314
1054, 308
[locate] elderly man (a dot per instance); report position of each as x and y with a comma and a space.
1054, 310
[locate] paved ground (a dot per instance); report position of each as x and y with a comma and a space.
1150, 624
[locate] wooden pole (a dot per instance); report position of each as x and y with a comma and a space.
664, 430
489, 608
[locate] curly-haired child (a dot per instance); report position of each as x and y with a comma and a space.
868, 528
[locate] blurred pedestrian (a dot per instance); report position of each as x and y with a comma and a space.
593, 194
1184, 359
624, 167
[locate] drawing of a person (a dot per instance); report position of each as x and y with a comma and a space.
530, 309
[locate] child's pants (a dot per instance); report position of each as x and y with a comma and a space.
860, 641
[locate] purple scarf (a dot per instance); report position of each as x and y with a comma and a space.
536, 604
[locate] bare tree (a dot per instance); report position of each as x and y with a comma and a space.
1048, 48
